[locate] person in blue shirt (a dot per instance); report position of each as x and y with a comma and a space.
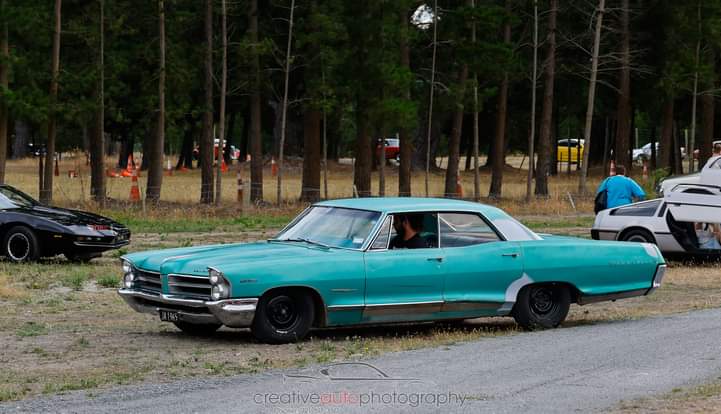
621, 189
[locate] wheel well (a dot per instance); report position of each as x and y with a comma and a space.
630, 229
7, 226
572, 289
318, 304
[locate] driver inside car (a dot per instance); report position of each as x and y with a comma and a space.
408, 228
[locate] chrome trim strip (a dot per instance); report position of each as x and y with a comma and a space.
340, 308
586, 299
343, 290
657, 278
193, 276
465, 306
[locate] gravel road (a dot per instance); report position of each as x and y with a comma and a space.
584, 368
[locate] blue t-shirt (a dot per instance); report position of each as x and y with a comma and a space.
621, 190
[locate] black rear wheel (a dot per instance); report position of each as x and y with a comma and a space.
21, 245
283, 316
542, 306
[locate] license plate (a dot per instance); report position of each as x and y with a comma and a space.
169, 316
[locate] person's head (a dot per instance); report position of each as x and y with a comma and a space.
717, 148
620, 170
408, 223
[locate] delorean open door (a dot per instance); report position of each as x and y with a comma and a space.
688, 204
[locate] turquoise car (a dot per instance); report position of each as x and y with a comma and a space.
335, 265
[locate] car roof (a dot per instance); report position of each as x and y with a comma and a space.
403, 204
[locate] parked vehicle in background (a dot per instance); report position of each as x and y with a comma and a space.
667, 222
335, 265
392, 148
569, 148
710, 174
30, 230
644, 153
234, 152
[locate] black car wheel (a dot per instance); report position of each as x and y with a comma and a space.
283, 316
197, 329
638, 236
542, 306
20, 244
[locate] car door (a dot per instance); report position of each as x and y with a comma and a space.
694, 207
479, 265
403, 284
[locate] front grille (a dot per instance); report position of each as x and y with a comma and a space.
191, 287
148, 281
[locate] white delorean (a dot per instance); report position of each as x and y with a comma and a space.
667, 222
710, 174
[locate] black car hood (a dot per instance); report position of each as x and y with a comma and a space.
66, 216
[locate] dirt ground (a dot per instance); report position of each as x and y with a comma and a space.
63, 327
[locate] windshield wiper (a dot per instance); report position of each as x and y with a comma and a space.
302, 239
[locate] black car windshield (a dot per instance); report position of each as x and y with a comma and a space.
12, 198
331, 226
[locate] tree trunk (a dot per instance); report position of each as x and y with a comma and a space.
185, 160
256, 143
691, 144
284, 119
653, 148
665, 146
223, 90
97, 143
545, 147
532, 135
405, 138
454, 141
499, 146
4, 68
591, 97
206, 141
707, 124
430, 101
310, 190
46, 186
622, 153
362, 170
155, 168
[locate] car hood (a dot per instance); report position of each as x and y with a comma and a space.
196, 260
66, 216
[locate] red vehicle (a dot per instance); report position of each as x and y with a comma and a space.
393, 149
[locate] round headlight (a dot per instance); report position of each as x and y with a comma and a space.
127, 268
214, 276
128, 280
218, 292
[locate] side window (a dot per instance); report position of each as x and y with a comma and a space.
381, 242
424, 225
465, 229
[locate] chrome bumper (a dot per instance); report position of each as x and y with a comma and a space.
235, 313
657, 278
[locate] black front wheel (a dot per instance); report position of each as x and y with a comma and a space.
542, 306
21, 245
283, 316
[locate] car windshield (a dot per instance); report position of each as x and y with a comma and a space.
331, 226
12, 198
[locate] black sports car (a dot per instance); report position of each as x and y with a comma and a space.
29, 230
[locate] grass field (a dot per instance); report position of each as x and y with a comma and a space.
182, 189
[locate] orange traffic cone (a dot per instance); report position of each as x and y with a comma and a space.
273, 167
612, 170
223, 166
134, 189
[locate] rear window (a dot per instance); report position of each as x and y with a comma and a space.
647, 209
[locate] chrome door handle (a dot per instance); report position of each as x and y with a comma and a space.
513, 255
435, 259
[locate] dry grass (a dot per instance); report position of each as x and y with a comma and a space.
183, 188
705, 398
